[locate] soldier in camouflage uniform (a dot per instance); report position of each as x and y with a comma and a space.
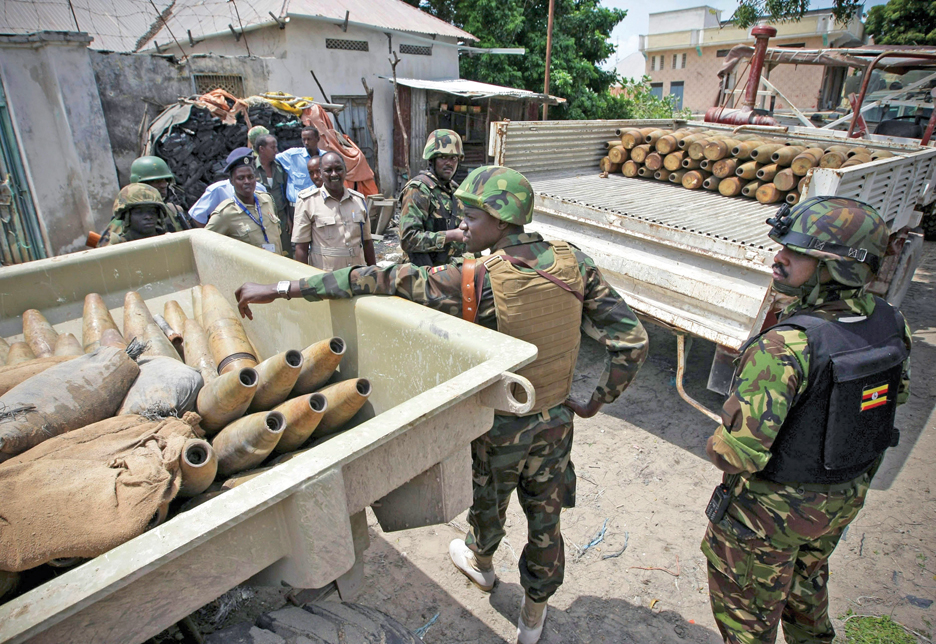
799, 447
528, 453
139, 212
429, 211
154, 172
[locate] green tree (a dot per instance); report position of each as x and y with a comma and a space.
750, 12
581, 32
903, 22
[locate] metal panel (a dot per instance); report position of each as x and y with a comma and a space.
473, 89
419, 117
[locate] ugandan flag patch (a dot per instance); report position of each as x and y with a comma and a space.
436, 269
875, 396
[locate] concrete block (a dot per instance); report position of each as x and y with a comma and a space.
245, 633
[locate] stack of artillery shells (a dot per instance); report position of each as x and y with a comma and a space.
768, 169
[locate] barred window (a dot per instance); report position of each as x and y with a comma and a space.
232, 83
683, 61
350, 45
721, 53
675, 58
416, 50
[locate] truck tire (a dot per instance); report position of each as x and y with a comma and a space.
329, 622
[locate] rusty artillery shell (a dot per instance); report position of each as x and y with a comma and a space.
618, 154
881, 154
748, 171
730, 186
278, 375
303, 415
792, 197
857, 159
858, 150
784, 156
724, 168
666, 144
612, 143
4, 351
175, 316
805, 160
197, 308
19, 352
655, 136
696, 149
38, 333
96, 319
344, 398
631, 138
645, 172
768, 172
785, 179
744, 149
801, 186
198, 465
246, 442
607, 166
677, 176
762, 153
640, 152
112, 338
715, 150
693, 179
159, 344
750, 188
175, 337
226, 398
673, 161
833, 160
768, 193
661, 175
838, 148
691, 164
67, 345
196, 351
706, 164
227, 338
136, 316
711, 183
654, 161
629, 168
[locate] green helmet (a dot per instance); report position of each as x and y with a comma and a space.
137, 194
255, 133
846, 235
501, 192
149, 169
443, 142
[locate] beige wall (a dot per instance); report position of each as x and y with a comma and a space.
800, 83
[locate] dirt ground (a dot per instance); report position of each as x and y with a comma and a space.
642, 469
643, 482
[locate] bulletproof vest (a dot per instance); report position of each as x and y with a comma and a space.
534, 309
844, 420
447, 221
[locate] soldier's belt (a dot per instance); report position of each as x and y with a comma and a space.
336, 252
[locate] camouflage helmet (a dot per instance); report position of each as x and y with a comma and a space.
846, 235
149, 169
443, 142
137, 194
501, 192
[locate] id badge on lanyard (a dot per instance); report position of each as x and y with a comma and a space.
267, 245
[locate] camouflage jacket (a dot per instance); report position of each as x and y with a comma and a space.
429, 208
115, 231
605, 316
771, 374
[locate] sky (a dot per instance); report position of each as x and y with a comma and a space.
638, 17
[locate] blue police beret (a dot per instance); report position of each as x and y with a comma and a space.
237, 158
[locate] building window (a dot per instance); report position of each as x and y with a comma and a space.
231, 83
656, 89
722, 53
675, 60
683, 61
676, 89
652, 63
350, 45
416, 50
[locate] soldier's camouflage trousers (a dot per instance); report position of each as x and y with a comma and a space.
532, 455
768, 559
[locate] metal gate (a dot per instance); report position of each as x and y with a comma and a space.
20, 237
353, 121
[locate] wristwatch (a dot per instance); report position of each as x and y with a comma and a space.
282, 289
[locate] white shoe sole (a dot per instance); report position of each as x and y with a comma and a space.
456, 555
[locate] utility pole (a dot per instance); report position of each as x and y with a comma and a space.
549, 29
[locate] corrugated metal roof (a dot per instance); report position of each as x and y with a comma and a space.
473, 89
115, 25
211, 17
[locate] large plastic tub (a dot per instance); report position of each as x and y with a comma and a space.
436, 381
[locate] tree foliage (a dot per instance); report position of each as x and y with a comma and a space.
750, 12
581, 41
903, 22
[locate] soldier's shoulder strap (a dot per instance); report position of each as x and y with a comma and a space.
423, 178
307, 192
500, 260
802, 321
469, 288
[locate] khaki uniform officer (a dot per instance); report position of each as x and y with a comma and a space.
330, 226
249, 216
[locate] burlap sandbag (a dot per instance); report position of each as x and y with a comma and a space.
165, 387
82, 493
